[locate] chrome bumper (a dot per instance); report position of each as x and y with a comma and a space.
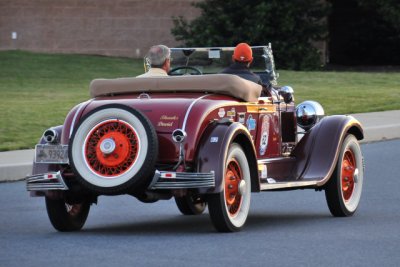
161, 180
45, 181
182, 180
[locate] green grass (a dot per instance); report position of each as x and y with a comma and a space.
346, 92
38, 90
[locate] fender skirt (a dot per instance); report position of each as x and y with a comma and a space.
213, 150
317, 152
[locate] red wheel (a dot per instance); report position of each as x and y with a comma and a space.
233, 178
343, 191
347, 176
230, 208
113, 150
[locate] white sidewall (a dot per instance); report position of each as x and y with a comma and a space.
78, 147
352, 144
239, 219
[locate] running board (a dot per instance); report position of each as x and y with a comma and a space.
287, 185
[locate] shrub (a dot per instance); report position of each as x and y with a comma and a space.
293, 27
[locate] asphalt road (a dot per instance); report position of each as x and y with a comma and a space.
284, 229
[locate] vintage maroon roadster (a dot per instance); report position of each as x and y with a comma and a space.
200, 137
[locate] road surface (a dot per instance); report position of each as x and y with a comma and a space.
284, 229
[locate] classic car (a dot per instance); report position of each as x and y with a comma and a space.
200, 137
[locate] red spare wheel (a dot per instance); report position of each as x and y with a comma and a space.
113, 150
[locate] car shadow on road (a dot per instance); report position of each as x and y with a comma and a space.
285, 220
155, 226
201, 224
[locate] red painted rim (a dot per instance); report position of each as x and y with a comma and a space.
348, 168
233, 176
124, 155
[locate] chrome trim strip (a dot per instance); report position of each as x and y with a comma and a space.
181, 149
270, 160
183, 180
42, 182
272, 186
205, 49
156, 176
84, 104
188, 111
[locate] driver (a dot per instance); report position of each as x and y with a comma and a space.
242, 58
159, 57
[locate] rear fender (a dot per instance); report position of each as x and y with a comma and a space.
317, 152
213, 150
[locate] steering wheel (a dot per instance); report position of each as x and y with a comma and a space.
175, 71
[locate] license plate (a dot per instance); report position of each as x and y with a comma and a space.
51, 154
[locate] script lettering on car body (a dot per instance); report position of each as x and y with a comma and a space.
167, 121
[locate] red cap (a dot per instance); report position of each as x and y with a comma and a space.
243, 53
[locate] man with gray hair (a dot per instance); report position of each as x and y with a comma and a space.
159, 57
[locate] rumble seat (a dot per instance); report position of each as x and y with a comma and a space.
226, 84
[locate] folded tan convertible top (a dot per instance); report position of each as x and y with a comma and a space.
226, 84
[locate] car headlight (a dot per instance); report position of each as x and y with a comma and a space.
309, 113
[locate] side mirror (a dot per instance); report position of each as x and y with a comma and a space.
287, 93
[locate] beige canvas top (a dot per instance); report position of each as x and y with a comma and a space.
226, 84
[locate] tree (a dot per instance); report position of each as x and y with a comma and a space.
293, 27
365, 32
387, 10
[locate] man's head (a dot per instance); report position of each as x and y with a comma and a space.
159, 57
243, 53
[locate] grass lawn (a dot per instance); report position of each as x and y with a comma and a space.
38, 90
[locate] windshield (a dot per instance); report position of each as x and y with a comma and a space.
209, 60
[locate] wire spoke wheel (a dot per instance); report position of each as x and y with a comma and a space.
113, 150
343, 190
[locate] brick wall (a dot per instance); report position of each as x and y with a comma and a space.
105, 27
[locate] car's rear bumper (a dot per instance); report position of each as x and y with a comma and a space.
161, 180
46, 181
182, 180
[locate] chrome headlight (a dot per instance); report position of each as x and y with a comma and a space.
309, 113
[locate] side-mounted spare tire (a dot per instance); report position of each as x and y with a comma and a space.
113, 150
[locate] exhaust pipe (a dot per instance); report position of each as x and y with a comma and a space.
50, 136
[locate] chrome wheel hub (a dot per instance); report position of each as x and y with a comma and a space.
242, 187
107, 146
355, 175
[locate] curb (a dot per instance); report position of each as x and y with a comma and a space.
16, 172
379, 126
16, 165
